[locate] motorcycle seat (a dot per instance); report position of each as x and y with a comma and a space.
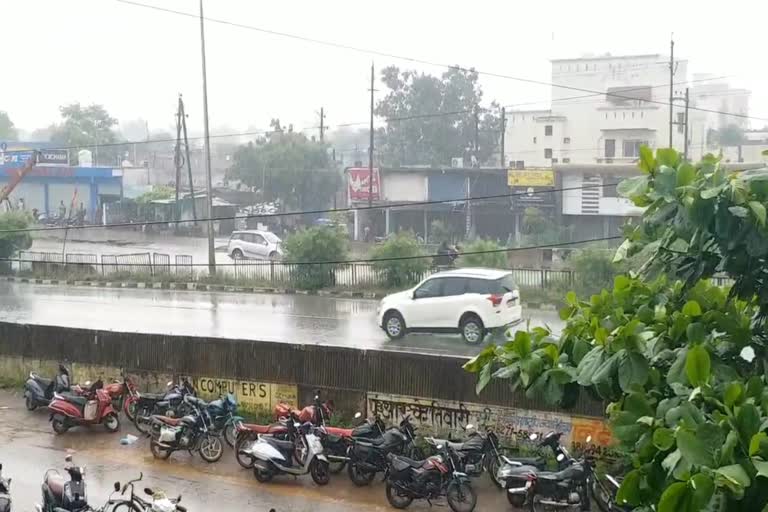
74, 399
163, 403
152, 396
538, 462
265, 429
279, 444
565, 474
340, 432
174, 422
55, 483
368, 442
44, 383
400, 463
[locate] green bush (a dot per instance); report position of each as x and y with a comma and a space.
315, 244
400, 273
488, 260
594, 271
440, 232
10, 243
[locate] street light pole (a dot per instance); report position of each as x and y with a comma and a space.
206, 135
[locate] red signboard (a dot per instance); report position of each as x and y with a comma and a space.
359, 185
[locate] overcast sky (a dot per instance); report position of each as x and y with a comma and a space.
135, 60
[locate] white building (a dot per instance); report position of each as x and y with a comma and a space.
612, 106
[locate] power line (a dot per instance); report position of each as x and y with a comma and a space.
308, 212
340, 262
415, 59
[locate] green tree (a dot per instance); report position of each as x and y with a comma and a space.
10, 243
309, 249
289, 167
731, 135
90, 127
157, 192
7, 128
399, 273
682, 362
538, 228
427, 137
497, 259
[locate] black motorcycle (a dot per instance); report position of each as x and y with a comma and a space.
170, 403
193, 432
479, 452
513, 473
61, 494
369, 456
429, 479
604, 489
337, 441
38, 392
5, 492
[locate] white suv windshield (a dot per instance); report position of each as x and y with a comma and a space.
271, 238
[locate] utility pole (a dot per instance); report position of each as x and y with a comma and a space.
370, 145
186, 156
322, 125
671, 85
207, 138
477, 136
178, 164
685, 142
503, 136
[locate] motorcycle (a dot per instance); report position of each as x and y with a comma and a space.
124, 396
94, 408
60, 494
223, 411
560, 489
479, 452
366, 457
170, 403
604, 489
248, 433
193, 432
273, 456
336, 441
5, 492
160, 502
429, 479
313, 413
38, 392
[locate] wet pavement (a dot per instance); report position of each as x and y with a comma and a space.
282, 318
28, 448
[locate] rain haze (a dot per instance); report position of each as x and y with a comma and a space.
135, 60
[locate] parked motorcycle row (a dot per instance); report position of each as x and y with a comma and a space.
301, 442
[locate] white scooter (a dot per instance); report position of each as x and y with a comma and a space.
302, 455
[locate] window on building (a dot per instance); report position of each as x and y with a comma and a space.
632, 148
566, 140
642, 114
633, 114
628, 95
520, 164
548, 130
610, 148
566, 160
554, 160
609, 186
534, 140
547, 152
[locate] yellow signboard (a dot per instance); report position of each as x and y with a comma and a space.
531, 178
251, 395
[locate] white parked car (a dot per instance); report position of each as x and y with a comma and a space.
254, 244
470, 301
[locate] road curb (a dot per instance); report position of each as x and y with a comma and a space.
203, 287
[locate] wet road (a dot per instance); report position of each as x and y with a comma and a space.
28, 448
283, 318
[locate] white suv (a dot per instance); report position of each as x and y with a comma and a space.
470, 301
254, 244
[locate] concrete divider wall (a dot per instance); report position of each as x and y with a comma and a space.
351, 377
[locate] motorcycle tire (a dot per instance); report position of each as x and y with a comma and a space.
516, 500
359, 477
59, 424
263, 476
492, 467
244, 460
127, 506
396, 499
130, 408
461, 496
30, 403
142, 422
111, 423
211, 449
158, 451
230, 435
320, 471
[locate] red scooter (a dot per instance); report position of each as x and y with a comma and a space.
94, 408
